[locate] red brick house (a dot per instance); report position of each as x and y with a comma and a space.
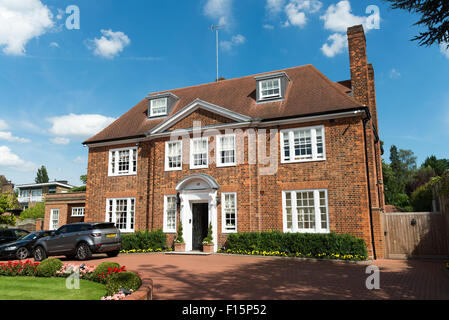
200, 154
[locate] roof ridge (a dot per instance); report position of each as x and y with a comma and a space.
233, 79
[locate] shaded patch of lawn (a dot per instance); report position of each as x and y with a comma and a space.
30, 288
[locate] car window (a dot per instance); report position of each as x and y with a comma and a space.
7, 234
73, 228
30, 236
85, 227
20, 233
62, 230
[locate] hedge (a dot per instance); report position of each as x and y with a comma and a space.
48, 267
341, 246
127, 280
144, 240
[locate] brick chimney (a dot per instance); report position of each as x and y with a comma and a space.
358, 63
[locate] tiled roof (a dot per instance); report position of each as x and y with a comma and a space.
308, 92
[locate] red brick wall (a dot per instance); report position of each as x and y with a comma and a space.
259, 204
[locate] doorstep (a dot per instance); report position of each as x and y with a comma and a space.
189, 253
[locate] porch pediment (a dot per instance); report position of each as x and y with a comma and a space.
210, 110
197, 182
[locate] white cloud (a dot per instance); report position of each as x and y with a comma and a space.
79, 125
13, 161
274, 7
3, 125
295, 10
60, 140
110, 44
339, 17
21, 21
235, 41
79, 160
394, 74
9, 137
268, 26
338, 44
54, 45
444, 49
219, 9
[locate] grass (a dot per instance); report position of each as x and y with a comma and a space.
30, 288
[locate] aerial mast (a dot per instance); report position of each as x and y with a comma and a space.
216, 28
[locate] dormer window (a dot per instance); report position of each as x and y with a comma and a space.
158, 107
270, 88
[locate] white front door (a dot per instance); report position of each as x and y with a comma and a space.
188, 198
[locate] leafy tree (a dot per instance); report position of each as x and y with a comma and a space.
8, 201
36, 212
438, 165
42, 175
420, 177
83, 179
434, 17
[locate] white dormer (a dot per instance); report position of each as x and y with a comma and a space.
159, 105
271, 86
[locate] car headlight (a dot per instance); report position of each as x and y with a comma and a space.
11, 248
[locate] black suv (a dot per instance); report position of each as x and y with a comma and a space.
80, 241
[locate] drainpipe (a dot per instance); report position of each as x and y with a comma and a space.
365, 122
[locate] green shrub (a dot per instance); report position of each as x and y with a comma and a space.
144, 240
298, 244
48, 267
179, 238
127, 280
103, 268
9, 220
36, 212
422, 197
209, 238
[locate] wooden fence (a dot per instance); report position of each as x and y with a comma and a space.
416, 235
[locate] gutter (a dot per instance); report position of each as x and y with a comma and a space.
365, 121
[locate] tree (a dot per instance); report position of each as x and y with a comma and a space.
434, 16
438, 165
83, 179
36, 212
42, 175
420, 177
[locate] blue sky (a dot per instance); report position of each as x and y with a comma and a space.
59, 86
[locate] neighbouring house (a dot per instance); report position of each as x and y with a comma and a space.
30, 194
200, 154
5, 185
64, 208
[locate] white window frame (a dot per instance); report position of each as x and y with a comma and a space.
316, 197
158, 114
192, 162
167, 168
224, 229
219, 147
115, 160
270, 96
53, 220
128, 228
291, 140
165, 228
76, 211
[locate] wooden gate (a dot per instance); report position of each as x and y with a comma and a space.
415, 235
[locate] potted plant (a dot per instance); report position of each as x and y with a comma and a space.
208, 244
180, 246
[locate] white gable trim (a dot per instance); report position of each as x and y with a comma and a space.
192, 107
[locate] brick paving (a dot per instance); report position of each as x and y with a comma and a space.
247, 277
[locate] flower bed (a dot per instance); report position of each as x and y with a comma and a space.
150, 250
112, 275
320, 246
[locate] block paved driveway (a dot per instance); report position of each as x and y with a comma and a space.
248, 277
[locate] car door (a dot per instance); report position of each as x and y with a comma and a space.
68, 240
54, 243
6, 236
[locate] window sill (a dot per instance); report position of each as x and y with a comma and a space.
122, 175
226, 165
300, 161
173, 169
196, 168
228, 232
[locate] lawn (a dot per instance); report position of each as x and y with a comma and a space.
30, 288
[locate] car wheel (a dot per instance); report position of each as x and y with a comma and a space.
22, 253
83, 252
40, 254
113, 253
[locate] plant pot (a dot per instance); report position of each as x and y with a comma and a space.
209, 248
180, 247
